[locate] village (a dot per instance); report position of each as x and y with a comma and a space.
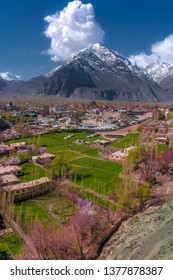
87, 149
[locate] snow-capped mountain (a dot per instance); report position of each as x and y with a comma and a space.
94, 73
50, 74
8, 76
160, 71
101, 73
109, 59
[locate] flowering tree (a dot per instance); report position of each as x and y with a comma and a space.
165, 160
42, 150
48, 244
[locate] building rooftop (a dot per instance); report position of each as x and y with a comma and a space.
9, 169
8, 180
26, 185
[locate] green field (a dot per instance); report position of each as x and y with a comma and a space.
50, 209
93, 179
31, 172
86, 150
102, 179
87, 161
162, 147
27, 212
10, 244
69, 155
56, 143
95, 198
90, 171
127, 141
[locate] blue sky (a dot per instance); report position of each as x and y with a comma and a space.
130, 27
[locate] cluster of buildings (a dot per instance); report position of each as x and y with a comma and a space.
64, 117
160, 132
11, 189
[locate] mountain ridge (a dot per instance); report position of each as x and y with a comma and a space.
101, 73
94, 73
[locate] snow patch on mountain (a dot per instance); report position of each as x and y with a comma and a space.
102, 59
158, 72
8, 76
50, 74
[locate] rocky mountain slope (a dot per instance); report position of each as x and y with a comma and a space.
96, 73
100, 73
162, 73
145, 236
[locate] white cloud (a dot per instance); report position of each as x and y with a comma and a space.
72, 29
142, 59
161, 51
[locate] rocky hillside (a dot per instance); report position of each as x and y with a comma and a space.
147, 235
162, 73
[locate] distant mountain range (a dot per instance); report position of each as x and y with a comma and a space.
98, 73
162, 73
8, 76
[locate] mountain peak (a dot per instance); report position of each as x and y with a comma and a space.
101, 73
159, 71
8, 76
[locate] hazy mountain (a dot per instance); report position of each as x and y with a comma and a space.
22, 87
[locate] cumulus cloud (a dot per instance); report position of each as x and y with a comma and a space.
72, 29
161, 51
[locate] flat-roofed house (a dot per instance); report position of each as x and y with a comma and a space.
7, 180
17, 146
118, 156
40, 158
22, 191
10, 169
121, 154
4, 149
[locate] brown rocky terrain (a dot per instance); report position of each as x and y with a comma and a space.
147, 235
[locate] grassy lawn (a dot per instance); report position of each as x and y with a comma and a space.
10, 244
57, 206
111, 167
86, 161
50, 209
68, 155
28, 212
31, 172
101, 175
86, 150
162, 147
56, 142
101, 179
126, 141
96, 199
